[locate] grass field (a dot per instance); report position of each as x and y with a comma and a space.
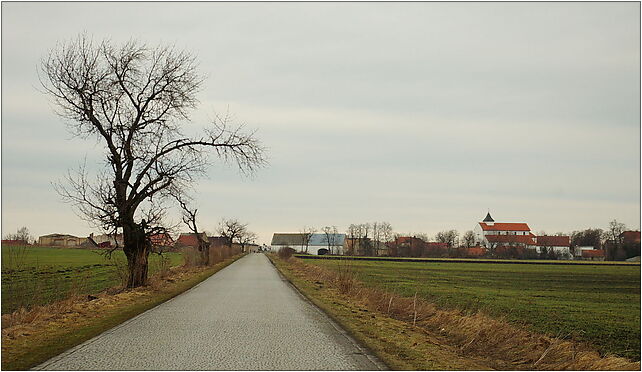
596, 304
40, 275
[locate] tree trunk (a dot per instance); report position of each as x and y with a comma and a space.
137, 250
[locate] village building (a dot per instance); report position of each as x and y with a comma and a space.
14, 242
317, 244
161, 241
107, 240
492, 235
189, 240
61, 240
489, 233
561, 245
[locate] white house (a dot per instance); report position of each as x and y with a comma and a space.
488, 232
318, 243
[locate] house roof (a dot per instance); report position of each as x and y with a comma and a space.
505, 226
476, 251
436, 245
631, 236
218, 240
593, 253
291, 239
322, 241
520, 239
160, 239
189, 239
488, 218
56, 235
553, 241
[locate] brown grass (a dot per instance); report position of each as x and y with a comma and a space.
30, 337
499, 344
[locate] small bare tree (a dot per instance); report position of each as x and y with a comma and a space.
189, 219
468, 239
330, 237
134, 100
246, 238
232, 229
306, 235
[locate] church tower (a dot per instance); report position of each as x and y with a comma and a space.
489, 220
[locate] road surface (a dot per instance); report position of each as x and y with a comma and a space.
245, 317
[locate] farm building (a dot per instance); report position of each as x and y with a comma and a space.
491, 234
60, 240
107, 240
318, 243
559, 244
18, 242
189, 240
163, 240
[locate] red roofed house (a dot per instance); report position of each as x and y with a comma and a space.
560, 245
491, 234
189, 240
593, 254
14, 242
163, 240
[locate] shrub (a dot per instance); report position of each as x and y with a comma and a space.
285, 253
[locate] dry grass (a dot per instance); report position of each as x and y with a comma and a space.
498, 343
32, 336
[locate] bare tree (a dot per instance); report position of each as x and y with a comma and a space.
134, 99
386, 232
246, 238
468, 239
330, 237
189, 219
21, 234
614, 242
231, 229
449, 237
306, 235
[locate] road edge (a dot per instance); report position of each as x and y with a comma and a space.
335, 322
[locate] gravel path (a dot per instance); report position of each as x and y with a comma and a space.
245, 317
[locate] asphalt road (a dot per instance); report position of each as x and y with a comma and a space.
245, 317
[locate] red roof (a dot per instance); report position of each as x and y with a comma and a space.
631, 237
161, 239
553, 241
14, 242
476, 251
189, 240
520, 239
505, 226
589, 253
436, 245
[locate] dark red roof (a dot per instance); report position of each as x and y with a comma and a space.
631, 237
505, 226
161, 239
436, 245
589, 253
520, 239
188, 240
553, 241
14, 242
476, 251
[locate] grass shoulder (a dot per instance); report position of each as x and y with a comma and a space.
33, 337
401, 346
408, 332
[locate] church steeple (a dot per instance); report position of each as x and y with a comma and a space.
489, 220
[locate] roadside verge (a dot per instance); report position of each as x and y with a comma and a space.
410, 333
50, 330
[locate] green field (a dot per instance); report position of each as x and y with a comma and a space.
598, 304
40, 275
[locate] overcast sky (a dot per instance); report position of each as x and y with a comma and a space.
426, 115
